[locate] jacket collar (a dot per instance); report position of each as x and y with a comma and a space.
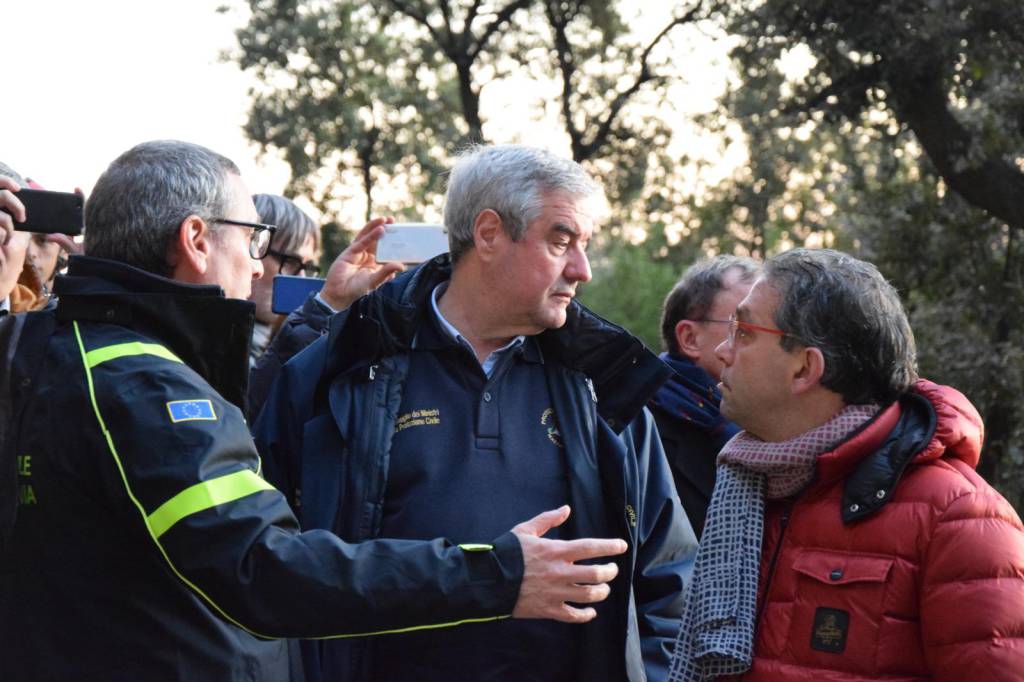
623, 372
926, 423
210, 333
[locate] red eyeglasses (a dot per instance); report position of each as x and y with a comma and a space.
743, 329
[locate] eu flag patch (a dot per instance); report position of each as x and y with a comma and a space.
191, 411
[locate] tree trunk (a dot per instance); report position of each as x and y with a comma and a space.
990, 183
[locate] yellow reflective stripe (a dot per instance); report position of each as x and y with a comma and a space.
419, 627
135, 501
203, 496
474, 547
120, 350
163, 552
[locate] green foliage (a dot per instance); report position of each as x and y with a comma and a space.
893, 129
629, 287
345, 101
931, 197
382, 95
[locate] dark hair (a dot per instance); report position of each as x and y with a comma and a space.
694, 294
294, 227
137, 206
844, 307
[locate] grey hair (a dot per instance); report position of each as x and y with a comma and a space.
139, 203
694, 293
845, 308
294, 227
510, 180
11, 173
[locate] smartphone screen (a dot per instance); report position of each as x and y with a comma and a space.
412, 242
51, 212
290, 292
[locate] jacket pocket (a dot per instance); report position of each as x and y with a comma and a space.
839, 600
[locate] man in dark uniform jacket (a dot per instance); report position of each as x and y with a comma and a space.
474, 389
694, 320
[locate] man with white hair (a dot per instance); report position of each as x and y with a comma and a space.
473, 390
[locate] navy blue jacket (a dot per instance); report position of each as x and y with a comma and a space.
325, 434
146, 544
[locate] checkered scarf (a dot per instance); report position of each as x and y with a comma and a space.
716, 635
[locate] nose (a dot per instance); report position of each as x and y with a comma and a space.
724, 352
577, 269
257, 268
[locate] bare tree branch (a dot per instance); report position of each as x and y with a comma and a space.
990, 183
567, 69
420, 17
588, 149
500, 19
446, 14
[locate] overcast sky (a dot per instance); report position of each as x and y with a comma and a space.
84, 81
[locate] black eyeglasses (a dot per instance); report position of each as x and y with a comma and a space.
290, 264
259, 243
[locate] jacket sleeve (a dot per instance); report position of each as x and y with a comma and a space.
302, 327
192, 488
667, 547
972, 589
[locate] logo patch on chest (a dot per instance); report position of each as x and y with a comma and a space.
547, 418
418, 418
829, 630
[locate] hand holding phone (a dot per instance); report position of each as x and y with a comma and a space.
356, 271
48, 212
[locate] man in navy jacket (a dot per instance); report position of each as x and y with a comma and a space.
474, 390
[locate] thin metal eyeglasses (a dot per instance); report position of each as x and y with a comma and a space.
291, 264
262, 234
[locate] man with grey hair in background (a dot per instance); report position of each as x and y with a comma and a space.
694, 320
142, 542
471, 391
849, 536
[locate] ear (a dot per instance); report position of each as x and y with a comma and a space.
686, 339
190, 251
488, 231
810, 367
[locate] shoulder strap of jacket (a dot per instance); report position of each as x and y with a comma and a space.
23, 342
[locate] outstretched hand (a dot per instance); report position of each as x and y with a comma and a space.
356, 272
551, 577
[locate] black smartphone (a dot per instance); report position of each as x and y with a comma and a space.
51, 212
291, 291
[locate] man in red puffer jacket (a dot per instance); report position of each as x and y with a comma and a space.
848, 536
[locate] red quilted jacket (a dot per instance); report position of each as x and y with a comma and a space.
899, 562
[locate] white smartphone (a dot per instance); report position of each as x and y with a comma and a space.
412, 242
